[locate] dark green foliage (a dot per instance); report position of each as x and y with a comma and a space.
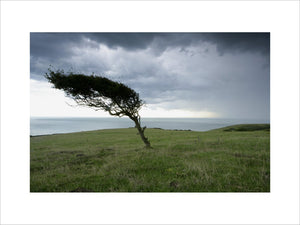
97, 92
100, 93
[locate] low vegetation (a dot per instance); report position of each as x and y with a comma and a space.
180, 161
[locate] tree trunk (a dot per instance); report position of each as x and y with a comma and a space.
141, 132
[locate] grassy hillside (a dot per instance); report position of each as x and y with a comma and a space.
180, 161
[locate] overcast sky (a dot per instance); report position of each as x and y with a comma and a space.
223, 75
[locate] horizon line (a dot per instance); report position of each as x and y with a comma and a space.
150, 117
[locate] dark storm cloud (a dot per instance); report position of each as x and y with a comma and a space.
50, 48
228, 42
224, 41
129, 41
52, 45
58, 44
57, 48
226, 73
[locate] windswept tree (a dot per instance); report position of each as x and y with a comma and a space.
101, 93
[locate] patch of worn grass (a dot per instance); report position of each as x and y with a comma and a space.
180, 161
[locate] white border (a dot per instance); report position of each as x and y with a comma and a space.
281, 206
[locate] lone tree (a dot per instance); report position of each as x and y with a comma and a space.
100, 93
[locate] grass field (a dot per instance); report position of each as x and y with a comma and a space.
231, 159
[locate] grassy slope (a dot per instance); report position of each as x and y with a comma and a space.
180, 161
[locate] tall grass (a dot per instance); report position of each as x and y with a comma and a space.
180, 161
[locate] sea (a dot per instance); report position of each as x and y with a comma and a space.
56, 125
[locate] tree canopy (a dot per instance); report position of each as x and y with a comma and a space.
100, 93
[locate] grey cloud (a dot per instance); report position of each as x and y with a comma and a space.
57, 48
51, 44
254, 42
226, 73
129, 41
160, 41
